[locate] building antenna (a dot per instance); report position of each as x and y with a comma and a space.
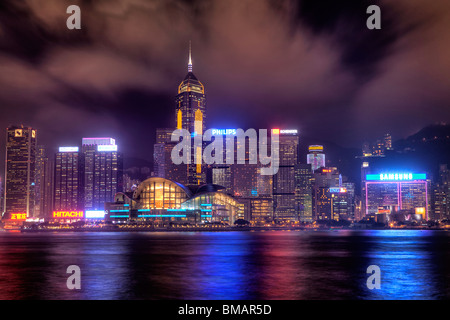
190, 58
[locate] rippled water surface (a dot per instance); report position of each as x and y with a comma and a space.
226, 265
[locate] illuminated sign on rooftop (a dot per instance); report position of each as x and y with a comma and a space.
224, 132
68, 149
338, 190
315, 148
404, 176
95, 214
108, 148
18, 216
289, 131
98, 141
68, 214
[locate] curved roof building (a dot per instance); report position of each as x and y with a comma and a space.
160, 198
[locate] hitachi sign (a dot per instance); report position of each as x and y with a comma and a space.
68, 214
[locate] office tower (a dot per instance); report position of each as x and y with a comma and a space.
365, 169
103, 171
350, 199
441, 194
303, 192
366, 149
163, 166
130, 184
359, 210
221, 175
322, 180
20, 172
388, 142
316, 157
190, 114
1, 196
378, 148
340, 201
44, 183
323, 204
261, 210
284, 180
396, 192
163, 135
69, 176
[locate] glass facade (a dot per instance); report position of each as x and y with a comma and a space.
396, 196
215, 207
159, 193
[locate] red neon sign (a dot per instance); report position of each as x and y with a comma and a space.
68, 214
18, 216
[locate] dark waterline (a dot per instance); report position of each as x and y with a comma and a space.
231, 265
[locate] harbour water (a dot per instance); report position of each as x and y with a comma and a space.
270, 265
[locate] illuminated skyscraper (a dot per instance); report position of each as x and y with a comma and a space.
284, 199
303, 192
316, 157
322, 180
44, 183
441, 194
190, 114
103, 174
388, 142
20, 171
397, 191
69, 176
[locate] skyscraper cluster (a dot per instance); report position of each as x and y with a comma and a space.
379, 147
38, 184
88, 179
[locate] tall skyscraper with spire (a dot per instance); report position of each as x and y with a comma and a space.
191, 102
190, 114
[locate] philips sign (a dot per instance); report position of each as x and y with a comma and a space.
223, 132
396, 177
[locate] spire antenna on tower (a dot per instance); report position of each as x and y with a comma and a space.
190, 58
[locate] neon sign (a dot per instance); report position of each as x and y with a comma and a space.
18, 216
106, 148
315, 148
223, 132
68, 214
396, 176
95, 214
288, 131
338, 190
68, 149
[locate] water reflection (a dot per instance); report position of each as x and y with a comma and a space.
229, 265
406, 259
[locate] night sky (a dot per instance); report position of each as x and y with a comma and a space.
309, 65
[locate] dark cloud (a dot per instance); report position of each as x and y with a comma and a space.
307, 64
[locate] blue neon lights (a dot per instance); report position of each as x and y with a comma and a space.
396, 176
162, 216
94, 214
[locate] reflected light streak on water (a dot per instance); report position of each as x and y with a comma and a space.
226, 265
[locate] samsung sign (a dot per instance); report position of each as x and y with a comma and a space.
396, 176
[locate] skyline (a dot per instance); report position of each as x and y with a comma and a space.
121, 68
